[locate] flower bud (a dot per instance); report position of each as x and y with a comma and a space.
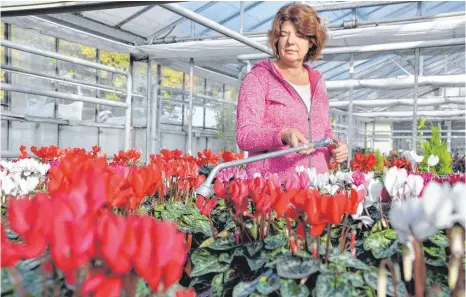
407, 257
456, 245
382, 282
293, 245
353, 243
314, 249
453, 271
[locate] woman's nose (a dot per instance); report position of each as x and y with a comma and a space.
291, 39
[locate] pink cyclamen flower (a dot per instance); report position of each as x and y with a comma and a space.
121, 170
358, 178
227, 174
54, 164
275, 178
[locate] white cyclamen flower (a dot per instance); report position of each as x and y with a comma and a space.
457, 195
412, 157
257, 174
408, 218
22, 177
374, 190
300, 169
438, 205
414, 186
312, 172
394, 179
432, 160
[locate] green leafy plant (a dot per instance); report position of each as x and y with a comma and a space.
436, 147
380, 161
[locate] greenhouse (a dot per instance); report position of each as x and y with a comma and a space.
118, 112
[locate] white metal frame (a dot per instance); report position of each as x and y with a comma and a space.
54, 55
153, 100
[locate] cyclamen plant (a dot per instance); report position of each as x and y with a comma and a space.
140, 229
21, 177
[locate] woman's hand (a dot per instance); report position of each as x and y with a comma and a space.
340, 153
294, 138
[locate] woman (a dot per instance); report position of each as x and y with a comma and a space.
284, 103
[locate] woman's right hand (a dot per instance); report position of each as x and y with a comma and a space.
294, 138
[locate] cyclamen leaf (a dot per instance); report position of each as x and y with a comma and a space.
243, 289
295, 268
253, 248
439, 239
347, 260
386, 252
217, 285
289, 288
267, 285
223, 244
204, 263
275, 242
370, 277
258, 261
325, 286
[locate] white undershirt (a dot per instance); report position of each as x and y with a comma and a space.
305, 93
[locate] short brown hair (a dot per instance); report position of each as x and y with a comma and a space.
307, 22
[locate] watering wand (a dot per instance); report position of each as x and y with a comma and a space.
206, 187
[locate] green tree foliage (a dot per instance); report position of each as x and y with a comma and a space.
380, 160
436, 147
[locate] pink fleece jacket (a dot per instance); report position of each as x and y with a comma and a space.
267, 103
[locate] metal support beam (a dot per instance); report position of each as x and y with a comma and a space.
350, 110
177, 22
409, 114
33, 119
133, 16
373, 48
53, 55
89, 26
416, 93
157, 133
355, 4
448, 124
239, 13
456, 80
397, 102
189, 148
129, 99
60, 95
18, 9
149, 104
215, 26
241, 17
63, 79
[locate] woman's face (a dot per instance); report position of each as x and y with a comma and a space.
292, 45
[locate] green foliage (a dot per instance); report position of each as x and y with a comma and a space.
436, 147
380, 160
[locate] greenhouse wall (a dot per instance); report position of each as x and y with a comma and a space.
214, 124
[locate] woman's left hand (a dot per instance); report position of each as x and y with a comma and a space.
340, 153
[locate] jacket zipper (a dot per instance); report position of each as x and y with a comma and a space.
305, 107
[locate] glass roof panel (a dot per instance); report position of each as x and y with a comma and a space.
436, 7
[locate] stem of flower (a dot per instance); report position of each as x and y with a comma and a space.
327, 245
419, 269
343, 232
262, 227
389, 264
381, 212
212, 226
130, 282
44, 279
18, 281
